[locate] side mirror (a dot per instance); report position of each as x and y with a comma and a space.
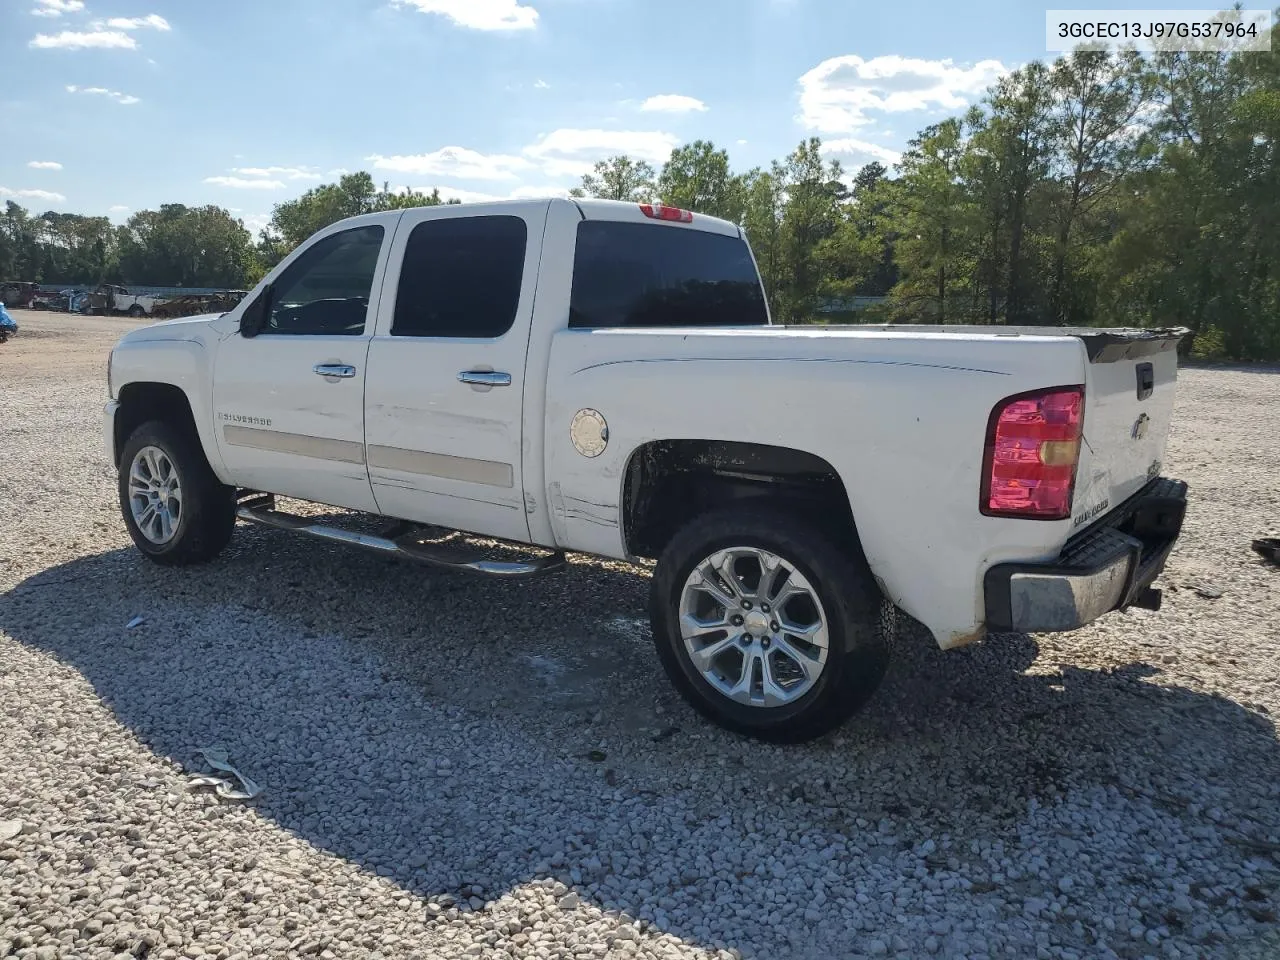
254, 319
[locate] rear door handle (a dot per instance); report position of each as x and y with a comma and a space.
485, 378
340, 371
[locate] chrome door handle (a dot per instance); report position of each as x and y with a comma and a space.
342, 371
485, 378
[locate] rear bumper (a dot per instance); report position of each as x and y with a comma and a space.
1108, 567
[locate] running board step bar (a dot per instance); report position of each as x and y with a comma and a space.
261, 509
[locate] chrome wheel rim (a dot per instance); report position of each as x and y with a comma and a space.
754, 627
155, 495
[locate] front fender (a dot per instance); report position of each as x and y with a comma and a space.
184, 364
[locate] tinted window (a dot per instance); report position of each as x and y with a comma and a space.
650, 275
461, 278
326, 290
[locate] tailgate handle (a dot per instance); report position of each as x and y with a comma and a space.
1146, 380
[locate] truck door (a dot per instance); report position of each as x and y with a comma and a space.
444, 396
289, 403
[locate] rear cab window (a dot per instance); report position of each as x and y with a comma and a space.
629, 274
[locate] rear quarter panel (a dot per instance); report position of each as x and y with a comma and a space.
902, 419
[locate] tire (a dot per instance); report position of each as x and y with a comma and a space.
206, 509
859, 625
136, 312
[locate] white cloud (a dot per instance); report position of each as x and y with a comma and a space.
571, 152
118, 208
541, 85
479, 14
56, 8
338, 172
80, 40
241, 183
673, 103
288, 173
44, 165
48, 195
836, 95
124, 99
457, 162
742, 143
253, 222
152, 20
859, 152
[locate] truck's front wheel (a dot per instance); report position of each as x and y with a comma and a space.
767, 627
175, 508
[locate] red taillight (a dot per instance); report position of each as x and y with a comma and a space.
1033, 446
660, 211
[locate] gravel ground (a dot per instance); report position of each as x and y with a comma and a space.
455, 768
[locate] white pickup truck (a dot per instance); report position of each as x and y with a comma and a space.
604, 378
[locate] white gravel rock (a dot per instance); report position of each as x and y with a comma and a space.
458, 768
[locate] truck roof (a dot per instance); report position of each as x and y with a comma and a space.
621, 210
590, 209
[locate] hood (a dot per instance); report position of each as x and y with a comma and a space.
183, 328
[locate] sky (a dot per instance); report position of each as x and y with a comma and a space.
113, 106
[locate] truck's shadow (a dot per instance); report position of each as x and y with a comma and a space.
340, 680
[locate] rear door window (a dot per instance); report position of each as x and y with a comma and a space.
461, 277
651, 275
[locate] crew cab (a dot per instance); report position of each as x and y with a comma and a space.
605, 378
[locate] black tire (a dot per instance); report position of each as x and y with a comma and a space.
136, 311
860, 622
208, 510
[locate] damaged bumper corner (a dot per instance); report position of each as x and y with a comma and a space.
1108, 567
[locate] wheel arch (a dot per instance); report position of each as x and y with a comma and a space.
667, 483
147, 400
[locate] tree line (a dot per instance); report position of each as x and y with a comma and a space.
1100, 189
179, 245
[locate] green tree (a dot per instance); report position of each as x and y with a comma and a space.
354, 194
619, 178
936, 223
186, 246
811, 217
295, 220
698, 178
1013, 148
1096, 138
872, 196
764, 201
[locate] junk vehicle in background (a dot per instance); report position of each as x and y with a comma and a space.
110, 298
195, 304
51, 300
17, 294
605, 378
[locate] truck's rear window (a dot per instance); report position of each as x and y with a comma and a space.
651, 275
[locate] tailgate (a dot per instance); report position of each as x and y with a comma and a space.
1129, 388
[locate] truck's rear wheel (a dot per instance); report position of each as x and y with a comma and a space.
766, 627
175, 509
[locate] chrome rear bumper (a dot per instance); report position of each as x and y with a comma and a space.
1108, 567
